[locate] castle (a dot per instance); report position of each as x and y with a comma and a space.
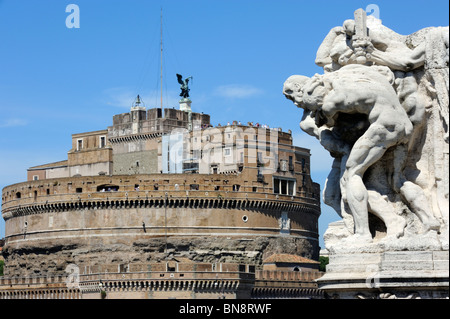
163, 190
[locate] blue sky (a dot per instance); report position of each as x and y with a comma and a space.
56, 81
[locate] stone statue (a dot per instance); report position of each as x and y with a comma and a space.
184, 86
381, 110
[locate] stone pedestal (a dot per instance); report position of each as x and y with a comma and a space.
185, 105
374, 273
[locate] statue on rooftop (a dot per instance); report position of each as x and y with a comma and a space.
184, 86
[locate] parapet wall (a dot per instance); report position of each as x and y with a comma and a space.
163, 280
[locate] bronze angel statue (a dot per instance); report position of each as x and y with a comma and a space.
184, 85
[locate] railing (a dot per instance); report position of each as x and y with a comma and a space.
156, 196
279, 275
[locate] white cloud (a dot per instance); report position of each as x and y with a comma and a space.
13, 122
237, 91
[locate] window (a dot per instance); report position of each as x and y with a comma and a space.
107, 188
284, 186
227, 151
194, 187
35, 177
102, 141
236, 188
79, 144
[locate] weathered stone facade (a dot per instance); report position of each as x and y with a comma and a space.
171, 280
243, 193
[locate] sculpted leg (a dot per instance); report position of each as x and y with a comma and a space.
412, 193
418, 203
367, 150
332, 190
385, 211
357, 199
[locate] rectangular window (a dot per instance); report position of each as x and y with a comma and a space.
227, 151
35, 177
79, 144
284, 186
102, 141
276, 186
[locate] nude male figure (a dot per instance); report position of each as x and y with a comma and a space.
357, 89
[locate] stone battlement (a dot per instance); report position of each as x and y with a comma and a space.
139, 190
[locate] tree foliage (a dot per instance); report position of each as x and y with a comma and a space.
323, 263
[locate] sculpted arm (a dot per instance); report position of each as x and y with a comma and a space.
323, 56
399, 58
324, 134
308, 124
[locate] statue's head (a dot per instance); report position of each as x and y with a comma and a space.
349, 27
306, 93
293, 89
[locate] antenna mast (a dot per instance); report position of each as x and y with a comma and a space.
161, 43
